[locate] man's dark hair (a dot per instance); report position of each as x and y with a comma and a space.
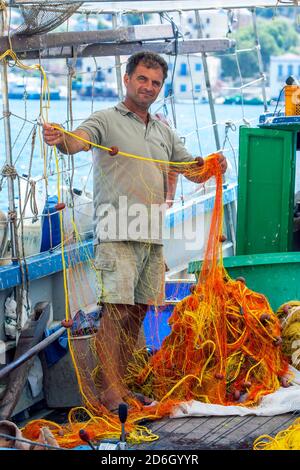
149, 59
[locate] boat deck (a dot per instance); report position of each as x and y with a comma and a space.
214, 432
201, 433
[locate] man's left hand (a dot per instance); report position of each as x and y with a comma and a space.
200, 161
222, 162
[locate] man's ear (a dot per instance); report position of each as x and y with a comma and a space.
126, 79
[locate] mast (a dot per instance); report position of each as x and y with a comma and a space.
207, 83
228, 212
116, 24
260, 61
9, 167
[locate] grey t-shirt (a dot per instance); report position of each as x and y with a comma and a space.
129, 194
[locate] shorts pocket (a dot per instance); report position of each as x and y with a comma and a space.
107, 269
105, 264
104, 261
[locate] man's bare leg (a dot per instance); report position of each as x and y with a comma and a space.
108, 349
131, 326
119, 328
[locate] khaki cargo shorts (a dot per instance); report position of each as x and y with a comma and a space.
130, 272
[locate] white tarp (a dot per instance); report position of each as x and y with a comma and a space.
284, 400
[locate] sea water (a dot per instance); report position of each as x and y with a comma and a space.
187, 118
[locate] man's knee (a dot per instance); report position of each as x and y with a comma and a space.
115, 312
141, 310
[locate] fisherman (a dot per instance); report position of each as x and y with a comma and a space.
130, 262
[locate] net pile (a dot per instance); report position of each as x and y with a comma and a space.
225, 342
289, 316
224, 347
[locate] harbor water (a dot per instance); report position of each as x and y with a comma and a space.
188, 119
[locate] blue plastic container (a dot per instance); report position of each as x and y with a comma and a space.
50, 231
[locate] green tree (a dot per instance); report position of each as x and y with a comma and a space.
276, 36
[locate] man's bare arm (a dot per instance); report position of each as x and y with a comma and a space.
64, 142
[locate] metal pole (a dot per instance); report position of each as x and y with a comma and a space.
228, 212
115, 24
207, 83
259, 59
8, 152
31, 352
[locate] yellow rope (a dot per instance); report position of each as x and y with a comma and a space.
62, 241
66, 291
286, 439
19, 63
124, 154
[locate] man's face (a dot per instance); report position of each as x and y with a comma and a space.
144, 85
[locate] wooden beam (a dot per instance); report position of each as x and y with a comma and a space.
165, 5
25, 43
191, 46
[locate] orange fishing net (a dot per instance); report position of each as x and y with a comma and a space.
224, 347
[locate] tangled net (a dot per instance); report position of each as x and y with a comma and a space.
287, 439
289, 316
224, 347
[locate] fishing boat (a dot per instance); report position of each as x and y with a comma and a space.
32, 280
16, 92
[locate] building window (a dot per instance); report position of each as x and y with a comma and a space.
198, 67
207, 20
109, 70
197, 88
298, 71
208, 35
280, 70
170, 66
190, 20
182, 87
183, 69
290, 70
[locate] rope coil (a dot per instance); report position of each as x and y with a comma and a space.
9, 171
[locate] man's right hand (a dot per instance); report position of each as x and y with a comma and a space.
52, 136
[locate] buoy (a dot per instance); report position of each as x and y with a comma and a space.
114, 150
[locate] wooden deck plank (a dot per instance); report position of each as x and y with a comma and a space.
283, 422
202, 425
219, 435
172, 425
166, 424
